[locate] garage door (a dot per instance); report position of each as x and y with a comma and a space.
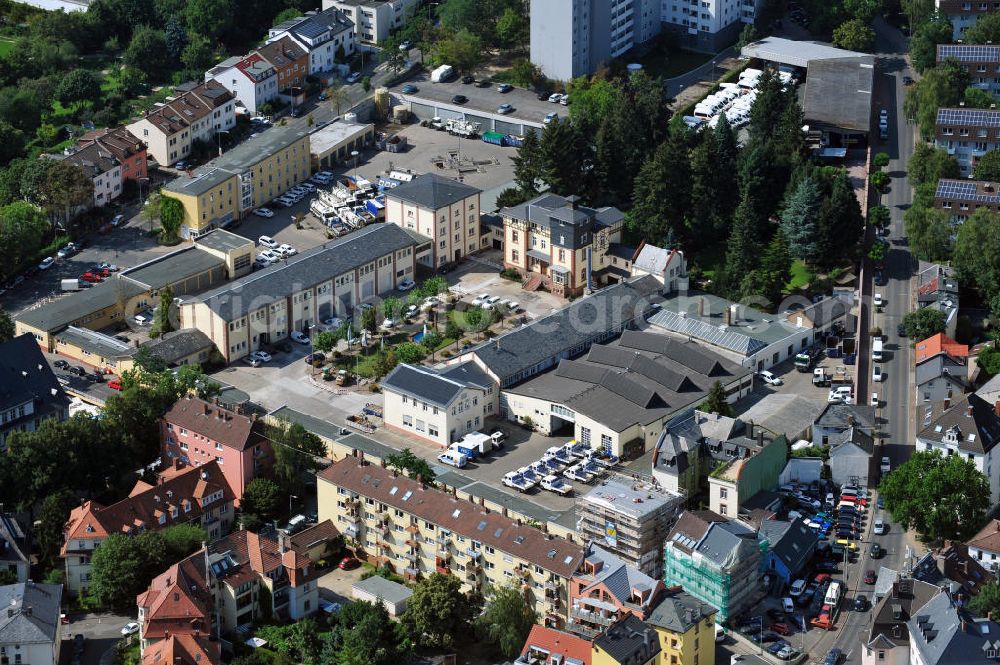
449, 113
485, 122
509, 127
422, 111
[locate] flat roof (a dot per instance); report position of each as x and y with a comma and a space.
223, 240
97, 343
838, 92
379, 587
326, 138
637, 499
331, 432
237, 160
59, 313
794, 52
174, 267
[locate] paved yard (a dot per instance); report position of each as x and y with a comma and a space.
335, 585
477, 277
102, 632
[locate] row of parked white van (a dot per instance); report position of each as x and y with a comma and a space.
732, 100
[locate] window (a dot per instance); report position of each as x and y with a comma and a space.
722, 509
723, 493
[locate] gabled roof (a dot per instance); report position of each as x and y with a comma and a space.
844, 416
93, 159
178, 600
904, 598
855, 441
30, 613
988, 537
960, 567
690, 528
618, 578
939, 343
282, 52
325, 531
823, 312
795, 545
653, 259
556, 212
119, 141
183, 650
426, 384
231, 429
629, 641
11, 541
144, 508
462, 517
574, 650
971, 423
26, 376
176, 345
943, 633
679, 612
189, 107
432, 191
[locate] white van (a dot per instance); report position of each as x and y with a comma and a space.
879, 527
877, 350
452, 458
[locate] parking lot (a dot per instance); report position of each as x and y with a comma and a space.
484, 101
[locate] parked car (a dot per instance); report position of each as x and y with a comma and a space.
348, 563
46, 263
131, 628
285, 249
504, 109
870, 577
406, 45
115, 384
117, 220
555, 98
550, 118
299, 337
353, 77
468, 79
263, 355
409, 89
67, 251
267, 241
406, 284
860, 603
315, 356
264, 212
459, 99
505, 87
878, 374
770, 378
484, 83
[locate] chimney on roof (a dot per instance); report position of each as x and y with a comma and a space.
947, 403
701, 306
383, 462
749, 429
395, 473
208, 408
968, 411
760, 438
729, 316
996, 407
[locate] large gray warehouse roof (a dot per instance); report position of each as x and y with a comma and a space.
794, 53
839, 93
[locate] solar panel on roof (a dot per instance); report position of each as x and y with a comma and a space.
972, 117
965, 190
969, 52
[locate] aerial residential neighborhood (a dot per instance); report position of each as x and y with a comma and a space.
490, 332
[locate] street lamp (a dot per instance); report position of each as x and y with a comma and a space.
290, 497
354, 155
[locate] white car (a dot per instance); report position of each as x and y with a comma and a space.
299, 337
886, 465
263, 355
883, 117
46, 263
284, 203
353, 77
481, 300
878, 374
555, 98
406, 284
253, 360
769, 378
333, 322
429, 304
504, 109
267, 254
388, 324
264, 212
875, 401
550, 117
798, 586
511, 305
840, 394
267, 241
879, 528
286, 250
131, 628
877, 299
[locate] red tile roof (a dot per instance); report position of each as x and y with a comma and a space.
928, 287
322, 532
119, 141
263, 556
281, 52
555, 554
988, 537
940, 343
144, 506
229, 428
555, 642
183, 650
178, 601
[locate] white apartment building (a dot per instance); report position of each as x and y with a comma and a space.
251, 79
984, 547
442, 209
967, 134
30, 626
707, 25
103, 168
374, 20
327, 35
439, 406
198, 114
970, 428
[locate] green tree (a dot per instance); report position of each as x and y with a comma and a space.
940, 497
983, 32
918, 11
528, 166
798, 221
854, 35
744, 243
507, 620
930, 232
928, 164
211, 18
78, 85
747, 36
523, 73
262, 500
925, 39
941, 86
23, 229
364, 635
881, 160
880, 180
840, 223
878, 216
295, 453
976, 98
988, 166
512, 28
662, 193
7, 328
385, 363
989, 360
51, 524
409, 352
180, 540
123, 566
591, 101
863, 10
146, 41
12, 143
563, 157
199, 54
391, 306
369, 319
171, 216
715, 401
161, 319
923, 323
773, 273
987, 601
462, 50
60, 188
438, 611
412, 465
976, 256
285, 15
176, 36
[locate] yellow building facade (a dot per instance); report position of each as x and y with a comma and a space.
686, 630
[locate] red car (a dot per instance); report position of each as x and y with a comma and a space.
870, 577
115, 384
822, 577
781, 628
90, 277
349, 563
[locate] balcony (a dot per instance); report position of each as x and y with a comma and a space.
475, 555
412, 541
599, 618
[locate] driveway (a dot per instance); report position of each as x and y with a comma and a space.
102, 633
335, 585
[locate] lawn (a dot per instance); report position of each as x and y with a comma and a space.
6, 46
668, 63
801, 276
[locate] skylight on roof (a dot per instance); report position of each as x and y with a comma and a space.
458, 511
393, 491
551, 554
482, 526
568, 559
409, 493
498, 533
518, 539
